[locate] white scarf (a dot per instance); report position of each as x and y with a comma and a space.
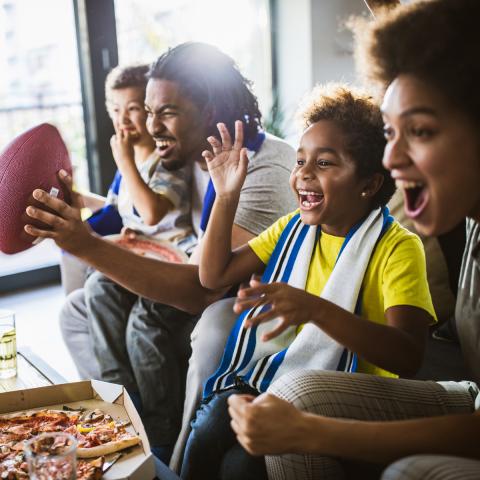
250, 360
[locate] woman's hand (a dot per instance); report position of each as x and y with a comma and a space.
257, 424
228, 163
292, 306
122, 148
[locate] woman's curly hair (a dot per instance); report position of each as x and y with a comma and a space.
436, 41
360, 119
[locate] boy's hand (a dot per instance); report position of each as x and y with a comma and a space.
122, 148
129, 233
228, 163
291, 306
256, 423
66, 226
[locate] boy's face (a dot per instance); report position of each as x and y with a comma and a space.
175, 123
324, 181
433, 153
126, 109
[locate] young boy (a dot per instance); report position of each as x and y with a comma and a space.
144, 196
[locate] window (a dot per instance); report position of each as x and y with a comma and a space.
40, 82
240, 28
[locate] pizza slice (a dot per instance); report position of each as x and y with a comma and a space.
96, 432
154, 248
90, 470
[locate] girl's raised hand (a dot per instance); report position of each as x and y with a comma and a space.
292, 306
228, 163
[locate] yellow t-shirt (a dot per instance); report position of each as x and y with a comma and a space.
396, 274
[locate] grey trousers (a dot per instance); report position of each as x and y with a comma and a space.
365, 397
75, 328
207, 342
74, 272
142, 345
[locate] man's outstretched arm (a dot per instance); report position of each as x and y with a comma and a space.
164, 282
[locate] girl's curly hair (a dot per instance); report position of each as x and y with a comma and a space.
360, 119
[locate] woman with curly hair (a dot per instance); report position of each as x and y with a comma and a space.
424, 58
344, 281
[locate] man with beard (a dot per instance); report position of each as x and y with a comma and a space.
191, 88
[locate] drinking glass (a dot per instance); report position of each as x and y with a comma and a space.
8, 345
52, 456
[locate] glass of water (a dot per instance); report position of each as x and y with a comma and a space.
52, 456
8, 345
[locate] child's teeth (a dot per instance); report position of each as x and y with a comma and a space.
406, 184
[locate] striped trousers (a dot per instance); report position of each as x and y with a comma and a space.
368, 397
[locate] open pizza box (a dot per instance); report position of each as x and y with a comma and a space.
137, 462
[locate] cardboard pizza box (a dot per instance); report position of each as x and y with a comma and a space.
137, 462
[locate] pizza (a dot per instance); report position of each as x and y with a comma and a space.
148, 247
92, 470
96, 432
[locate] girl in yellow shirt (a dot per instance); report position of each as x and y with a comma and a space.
339, 181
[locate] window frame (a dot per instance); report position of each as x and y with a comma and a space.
96, 35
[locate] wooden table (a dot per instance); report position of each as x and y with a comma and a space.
32, 372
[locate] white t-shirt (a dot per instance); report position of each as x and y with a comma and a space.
174, 185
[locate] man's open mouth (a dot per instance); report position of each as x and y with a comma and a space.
165, 145
415, 196
309, 200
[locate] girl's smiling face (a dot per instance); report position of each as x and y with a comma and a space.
433, 153
326, 183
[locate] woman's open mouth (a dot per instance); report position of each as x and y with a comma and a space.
165, 146
415, 196
309, 200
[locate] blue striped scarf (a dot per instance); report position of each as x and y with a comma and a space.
250, 360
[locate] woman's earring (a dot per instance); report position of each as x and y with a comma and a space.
364, 194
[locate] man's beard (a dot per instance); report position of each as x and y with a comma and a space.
172, 164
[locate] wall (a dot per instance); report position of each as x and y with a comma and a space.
313, 47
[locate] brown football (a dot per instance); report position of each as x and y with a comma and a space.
30, 161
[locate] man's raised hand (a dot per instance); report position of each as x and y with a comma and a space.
228, 163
